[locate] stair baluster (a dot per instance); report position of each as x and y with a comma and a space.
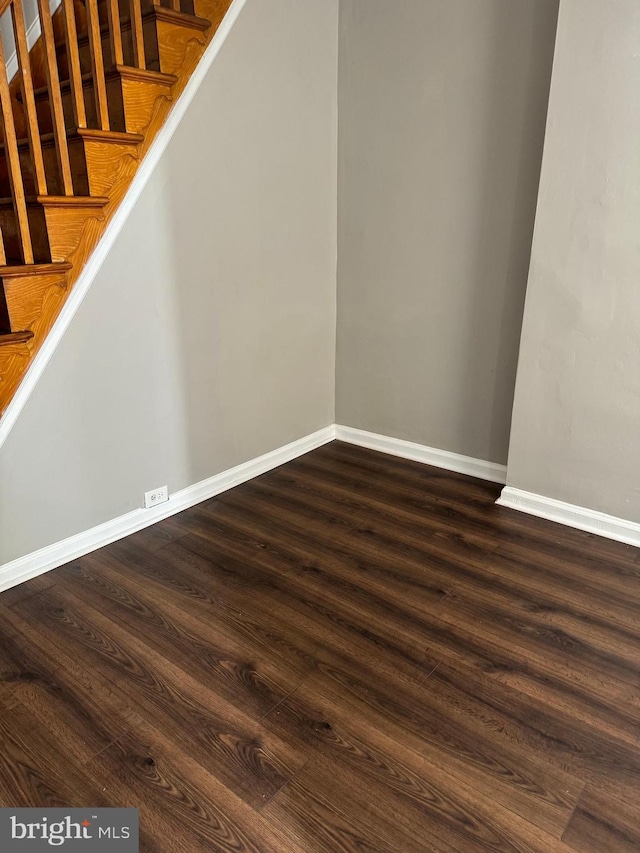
73, 59
13, 163
28, 99
55, 96
97, 64
113, 11
137, 34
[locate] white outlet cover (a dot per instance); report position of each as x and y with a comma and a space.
156, 496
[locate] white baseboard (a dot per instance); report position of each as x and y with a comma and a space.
421, 453
39, 562
42, 561
571, 515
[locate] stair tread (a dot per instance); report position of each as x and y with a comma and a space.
62, 200
8, 338
181, 18
87, 133
14, 270
144, 74
106, 135
128, 71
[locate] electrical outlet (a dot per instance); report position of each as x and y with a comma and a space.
157, 496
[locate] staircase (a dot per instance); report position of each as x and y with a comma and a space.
77, 118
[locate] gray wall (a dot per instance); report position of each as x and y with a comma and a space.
208, 337
442, 109
576, 424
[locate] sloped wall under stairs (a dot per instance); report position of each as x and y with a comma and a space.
208, 337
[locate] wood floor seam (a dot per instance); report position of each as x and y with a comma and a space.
573, 811
284, 698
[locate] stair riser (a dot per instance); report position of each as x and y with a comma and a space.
29, 298
34, 301
141, 100
67, 227
117, 120
56, 231
132, 104
83, 41
176, 47
107, 163
95, 166
212, 10
151, 50
85, 58
43, 109
14, 361
54, 187
38, 228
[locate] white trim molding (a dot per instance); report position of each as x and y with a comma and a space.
421, 453
42, 561
571, 515
95, 262
28, 567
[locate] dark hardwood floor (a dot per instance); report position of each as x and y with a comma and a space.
350, 653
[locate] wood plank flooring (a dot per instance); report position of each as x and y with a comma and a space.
350, 653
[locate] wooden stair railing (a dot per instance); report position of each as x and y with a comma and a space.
75, 122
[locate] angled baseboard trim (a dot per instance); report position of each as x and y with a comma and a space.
99, 254
421, 453
30, 566
571, 515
